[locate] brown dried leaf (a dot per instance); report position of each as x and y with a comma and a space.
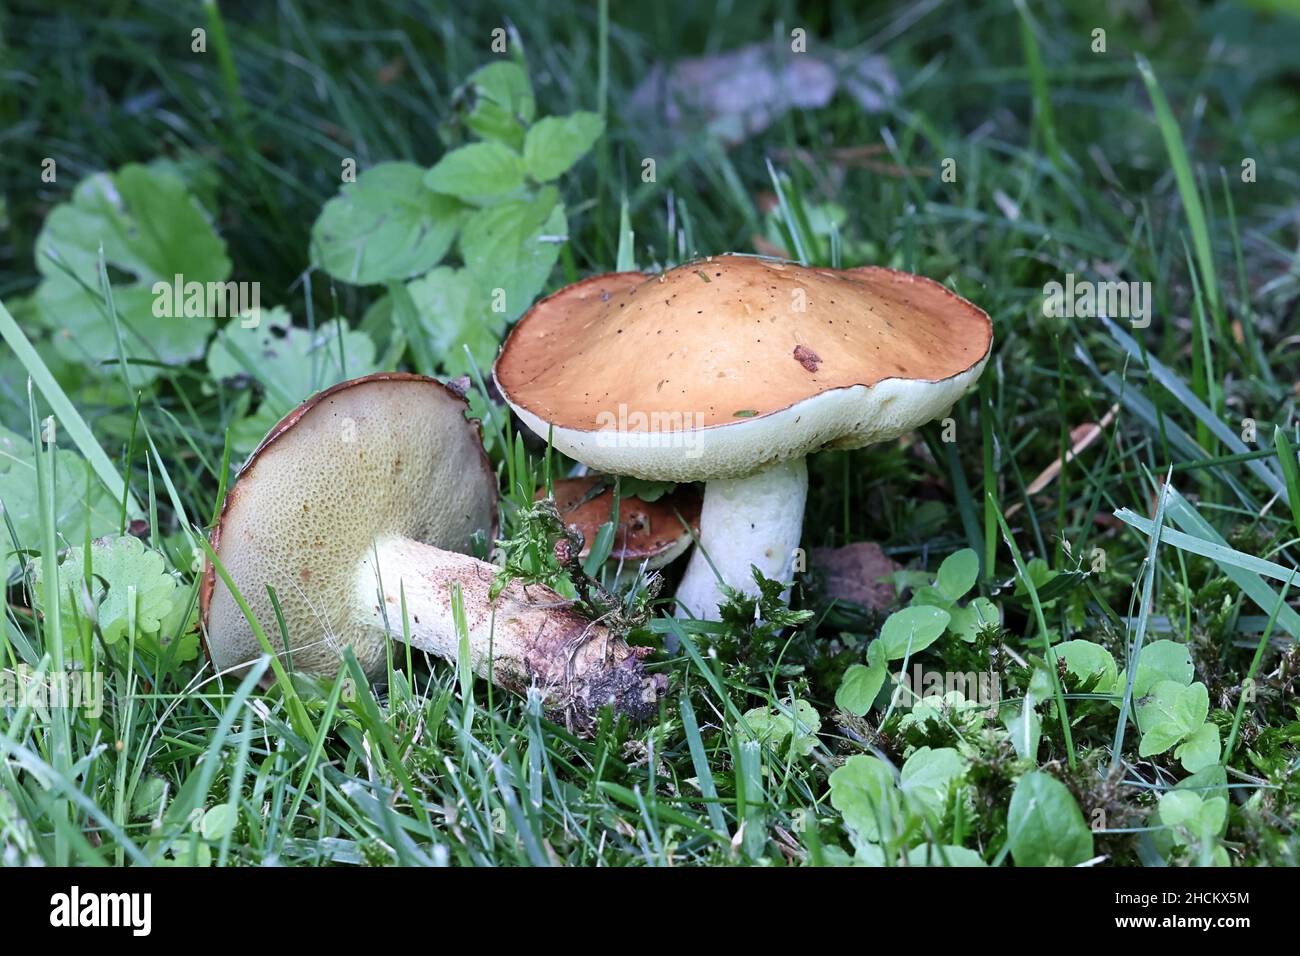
855, 572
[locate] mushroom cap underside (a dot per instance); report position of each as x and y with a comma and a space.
390, 454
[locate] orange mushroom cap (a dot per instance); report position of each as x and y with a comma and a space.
725, 366
647, 531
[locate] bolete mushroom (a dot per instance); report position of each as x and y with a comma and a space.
372, 490
649, 533
730, 370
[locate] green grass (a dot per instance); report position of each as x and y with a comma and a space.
1103, 165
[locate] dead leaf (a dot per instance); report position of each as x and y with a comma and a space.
854, 573
739, 93
1081, 436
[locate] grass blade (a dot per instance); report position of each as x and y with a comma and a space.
1144, 619
64, 410
1049, 656
1286, 456
1191, 197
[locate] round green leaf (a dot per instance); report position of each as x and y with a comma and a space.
1088, 664
502, 102
968, 621
217, 822
958, 573
859, 688
911, 630
1200, 750
1044, 824
863, 791
929, 774
455, 312
930, 596
513, 246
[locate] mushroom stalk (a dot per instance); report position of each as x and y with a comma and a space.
529, 636
756, 521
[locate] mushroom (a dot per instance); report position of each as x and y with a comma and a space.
730, 370
367, 493
649, 532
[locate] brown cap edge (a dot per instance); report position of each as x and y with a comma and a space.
913, 277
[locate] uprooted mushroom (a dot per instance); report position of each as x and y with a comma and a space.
367, 496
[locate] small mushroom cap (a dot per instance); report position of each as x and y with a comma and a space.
726, 366
390, 454
647, 530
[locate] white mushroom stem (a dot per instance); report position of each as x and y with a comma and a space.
529, 636
744, 521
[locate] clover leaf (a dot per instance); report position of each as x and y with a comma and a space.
797, 725
1045, 826
862, 682
1170, 714
958, 573
1200, 749
912, 630
1159, 660
1183, 808
875, 807
1193, 821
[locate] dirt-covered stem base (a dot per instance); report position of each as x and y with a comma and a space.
528, 637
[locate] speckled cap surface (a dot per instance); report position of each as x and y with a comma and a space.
724, 366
